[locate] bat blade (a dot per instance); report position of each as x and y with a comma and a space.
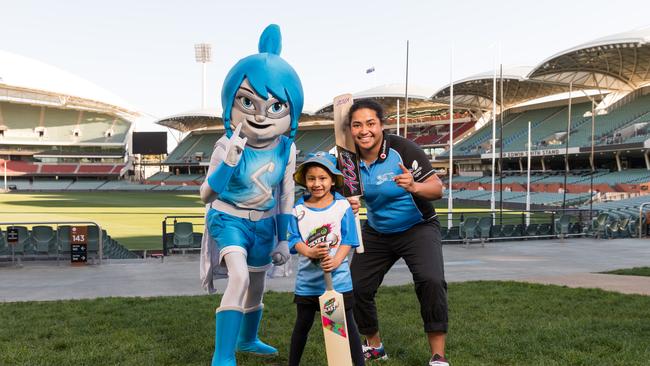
335, 329
348, 160
342, 105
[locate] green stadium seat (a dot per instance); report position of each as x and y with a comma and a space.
63, 240
468, 229
4, 248
544, 229
44, 240
93, 242
183, 235
23, 246
563, 225
531, 230
485, 228
507, 230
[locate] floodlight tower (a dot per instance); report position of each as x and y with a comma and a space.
203, 55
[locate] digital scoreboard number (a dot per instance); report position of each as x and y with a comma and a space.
79, 244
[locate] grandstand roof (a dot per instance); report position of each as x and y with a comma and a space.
387, 96
475, 92
26, 80
211, 118
616, 62
192, 120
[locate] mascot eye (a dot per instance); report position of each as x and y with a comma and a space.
277, 107
247, 103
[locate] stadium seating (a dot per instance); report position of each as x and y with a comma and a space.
47, 242
58, 125
63, 239
183, 235
24, 244
4, 247
184, 151
313, 140
485, 228
85, 185
44, 240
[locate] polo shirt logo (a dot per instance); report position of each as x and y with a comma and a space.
386, 177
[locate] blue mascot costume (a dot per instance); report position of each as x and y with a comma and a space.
249, 192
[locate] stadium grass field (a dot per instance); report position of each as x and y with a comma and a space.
132, 218
491, 323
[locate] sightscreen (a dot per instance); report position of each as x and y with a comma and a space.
150, 143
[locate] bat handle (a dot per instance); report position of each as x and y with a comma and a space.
360, 237
328, 281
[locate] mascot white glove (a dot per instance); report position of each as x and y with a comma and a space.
236, 147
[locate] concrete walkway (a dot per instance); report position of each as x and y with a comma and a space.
545, 261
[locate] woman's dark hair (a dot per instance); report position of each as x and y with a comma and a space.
369, 104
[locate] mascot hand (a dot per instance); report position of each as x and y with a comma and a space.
236, 147
280, 255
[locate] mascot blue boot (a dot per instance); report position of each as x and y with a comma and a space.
228, 323
248, 340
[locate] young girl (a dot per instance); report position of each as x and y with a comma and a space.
322, 231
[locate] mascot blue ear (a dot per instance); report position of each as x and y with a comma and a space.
271, 40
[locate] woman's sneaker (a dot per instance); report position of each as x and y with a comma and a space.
374, 353
438, 360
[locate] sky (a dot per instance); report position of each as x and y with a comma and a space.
143, 50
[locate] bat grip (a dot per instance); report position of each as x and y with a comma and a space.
328, 281
360, 249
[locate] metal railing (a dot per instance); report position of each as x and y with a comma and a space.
513, 225
165, 224
641, 218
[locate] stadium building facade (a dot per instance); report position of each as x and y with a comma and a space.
58, 130
595, 94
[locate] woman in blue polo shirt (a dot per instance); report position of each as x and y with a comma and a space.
399, 184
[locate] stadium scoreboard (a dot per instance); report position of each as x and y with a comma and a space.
149, 143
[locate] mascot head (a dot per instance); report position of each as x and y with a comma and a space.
262, 92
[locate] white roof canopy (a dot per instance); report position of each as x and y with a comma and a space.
616, 62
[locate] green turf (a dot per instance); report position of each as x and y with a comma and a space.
636, 271
491, 323
133, 219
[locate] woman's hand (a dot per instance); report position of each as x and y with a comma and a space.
405, 180
354, 204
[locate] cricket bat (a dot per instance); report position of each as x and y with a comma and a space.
335, 329
348, 160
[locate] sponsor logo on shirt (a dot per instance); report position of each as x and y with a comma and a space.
416, 169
